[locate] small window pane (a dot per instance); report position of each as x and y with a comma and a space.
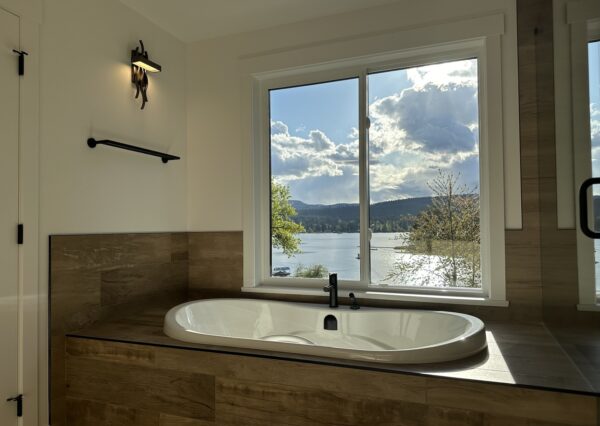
594, 78
424, 176
315, 219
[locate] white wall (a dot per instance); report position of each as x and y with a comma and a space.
86, 91
215, 119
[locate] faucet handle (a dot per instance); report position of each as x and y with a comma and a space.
327, 289
354, 303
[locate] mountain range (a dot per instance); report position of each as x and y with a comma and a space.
387, 216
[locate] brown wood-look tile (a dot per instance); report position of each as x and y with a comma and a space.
81, 412
261, 404
165, 391
549, 406
113, 352
443, 416
168, 420
95, 276
501, 420
215, 260
319, 377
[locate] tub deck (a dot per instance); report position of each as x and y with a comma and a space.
525, 355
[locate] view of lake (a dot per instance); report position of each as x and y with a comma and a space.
338, 252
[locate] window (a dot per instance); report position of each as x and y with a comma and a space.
423, 152
580, 135
424, 176
315, 219
385, 169
594, 101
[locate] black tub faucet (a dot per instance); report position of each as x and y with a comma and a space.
332, 289
353, 302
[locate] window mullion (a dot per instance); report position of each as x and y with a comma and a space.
363, 159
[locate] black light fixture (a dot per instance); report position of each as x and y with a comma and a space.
140, 66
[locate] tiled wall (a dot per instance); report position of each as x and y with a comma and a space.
551, 250
93, 276
113, 383
216, 263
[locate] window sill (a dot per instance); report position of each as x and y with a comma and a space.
381, 295
589, 307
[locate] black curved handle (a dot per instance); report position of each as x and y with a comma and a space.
583, 208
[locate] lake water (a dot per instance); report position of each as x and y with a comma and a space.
339, 252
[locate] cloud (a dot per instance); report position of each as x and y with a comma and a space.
456, 72
595, 137
278, 128
294, 157
388, 181
595, 124
429, 126
320, 141
431, 118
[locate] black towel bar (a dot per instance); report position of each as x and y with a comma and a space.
165, 157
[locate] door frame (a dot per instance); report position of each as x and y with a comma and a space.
32, 303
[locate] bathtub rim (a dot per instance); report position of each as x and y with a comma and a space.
476, 332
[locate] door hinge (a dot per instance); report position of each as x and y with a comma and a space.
19, 400
20, 233
22, 55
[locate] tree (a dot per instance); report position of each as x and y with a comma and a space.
444, 239
283, 228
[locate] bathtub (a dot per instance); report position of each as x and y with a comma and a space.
398, 336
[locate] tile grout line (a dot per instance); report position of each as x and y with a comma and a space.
592, 387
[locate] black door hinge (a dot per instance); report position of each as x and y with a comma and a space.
19, 400
20, 233
22, 55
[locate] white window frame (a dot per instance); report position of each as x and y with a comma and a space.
583, 19
487, 50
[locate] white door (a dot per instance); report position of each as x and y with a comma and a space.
9, 216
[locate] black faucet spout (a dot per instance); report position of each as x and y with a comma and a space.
332, 289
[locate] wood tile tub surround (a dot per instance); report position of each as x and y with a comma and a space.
525, 354
130, 384
93, 277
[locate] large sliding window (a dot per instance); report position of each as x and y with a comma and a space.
387, 170
391, 201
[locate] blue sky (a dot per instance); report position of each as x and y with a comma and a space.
331, 108
594, 76
423, 119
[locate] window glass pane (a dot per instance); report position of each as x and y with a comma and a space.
424, 176
315, 217
594, 78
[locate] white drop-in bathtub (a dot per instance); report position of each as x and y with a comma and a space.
399, 336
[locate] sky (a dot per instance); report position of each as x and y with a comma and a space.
594, 73
423, 119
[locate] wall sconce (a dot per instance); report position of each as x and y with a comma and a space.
140, 66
